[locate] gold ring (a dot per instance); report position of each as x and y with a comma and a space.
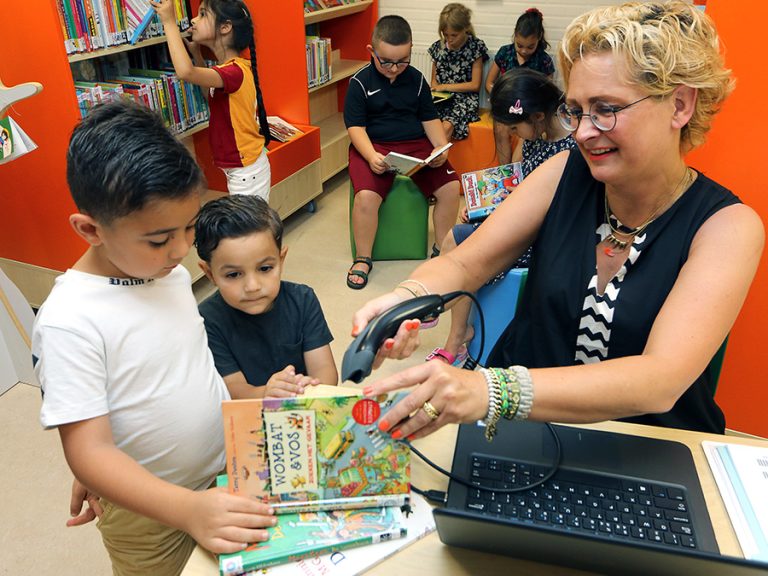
431, 411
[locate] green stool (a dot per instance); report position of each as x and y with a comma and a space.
403, 223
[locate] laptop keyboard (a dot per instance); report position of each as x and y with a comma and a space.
586, 502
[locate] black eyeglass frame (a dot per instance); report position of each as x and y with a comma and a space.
564, 114
388, 64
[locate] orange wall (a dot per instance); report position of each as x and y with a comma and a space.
34, 199
735, 155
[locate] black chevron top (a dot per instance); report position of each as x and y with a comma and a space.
563, 321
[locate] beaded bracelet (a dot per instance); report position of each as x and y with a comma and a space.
510, 392
494, 404
526, 391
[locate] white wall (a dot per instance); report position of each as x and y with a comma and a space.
494, 20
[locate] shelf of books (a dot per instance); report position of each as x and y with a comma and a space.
316, 11
348, 28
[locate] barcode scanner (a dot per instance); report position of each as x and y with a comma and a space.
358, 359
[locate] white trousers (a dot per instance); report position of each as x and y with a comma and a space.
253, 180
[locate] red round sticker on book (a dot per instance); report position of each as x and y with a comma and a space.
366, 411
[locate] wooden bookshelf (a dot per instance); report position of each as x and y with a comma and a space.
336, 12
340, 70
349, 27
127, 47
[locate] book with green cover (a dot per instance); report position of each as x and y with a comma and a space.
305, 534
315, 452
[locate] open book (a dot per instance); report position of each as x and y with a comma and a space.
440, 97
486, 189
315, 452
408, 165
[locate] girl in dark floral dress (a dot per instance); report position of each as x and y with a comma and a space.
457, 67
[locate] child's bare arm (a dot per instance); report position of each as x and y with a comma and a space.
219, 521
363, 145
239, 388
182, 64
493, 73
321, 366
436, 136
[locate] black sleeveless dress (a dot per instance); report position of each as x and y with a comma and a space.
562, 321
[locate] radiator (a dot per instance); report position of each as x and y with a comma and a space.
421, 60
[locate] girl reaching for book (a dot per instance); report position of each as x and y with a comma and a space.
225, 27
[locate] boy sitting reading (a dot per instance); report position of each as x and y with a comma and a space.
389, 108
120, 351
268, 337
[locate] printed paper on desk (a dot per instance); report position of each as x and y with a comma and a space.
741, 474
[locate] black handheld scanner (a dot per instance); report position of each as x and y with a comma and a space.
358, 359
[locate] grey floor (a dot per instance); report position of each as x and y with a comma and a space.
35, 481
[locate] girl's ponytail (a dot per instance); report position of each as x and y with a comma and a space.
263, 124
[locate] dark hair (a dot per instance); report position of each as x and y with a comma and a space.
121, 156
236, 13
521, 92
531, 23
234, 217
393, 30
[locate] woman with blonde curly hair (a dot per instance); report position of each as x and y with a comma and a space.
641, 263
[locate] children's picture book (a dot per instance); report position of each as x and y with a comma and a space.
486, 189
14, 142
315, 452
281, 130
354, 561
440, 97
409, 165
305, 534
741, 474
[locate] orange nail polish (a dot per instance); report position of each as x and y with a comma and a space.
389, 344
384, 425
397, 434
411, 437
355, 330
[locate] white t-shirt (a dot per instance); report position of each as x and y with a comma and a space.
137, 351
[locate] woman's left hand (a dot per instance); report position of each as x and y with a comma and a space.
450, 394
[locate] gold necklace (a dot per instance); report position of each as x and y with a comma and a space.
617, 245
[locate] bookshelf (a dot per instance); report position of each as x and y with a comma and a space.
349, 27
36, 241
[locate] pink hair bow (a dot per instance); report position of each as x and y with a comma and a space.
516, 109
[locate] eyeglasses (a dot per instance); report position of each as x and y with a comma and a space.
602, 115
389, 65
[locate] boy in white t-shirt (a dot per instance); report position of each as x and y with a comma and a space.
122, 355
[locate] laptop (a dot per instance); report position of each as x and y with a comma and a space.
618, 504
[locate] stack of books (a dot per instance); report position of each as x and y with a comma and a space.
320, 461
95, 24
318, 60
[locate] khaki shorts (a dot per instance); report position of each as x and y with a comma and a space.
140, 546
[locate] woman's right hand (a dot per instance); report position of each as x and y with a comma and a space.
405, 341
457, 395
